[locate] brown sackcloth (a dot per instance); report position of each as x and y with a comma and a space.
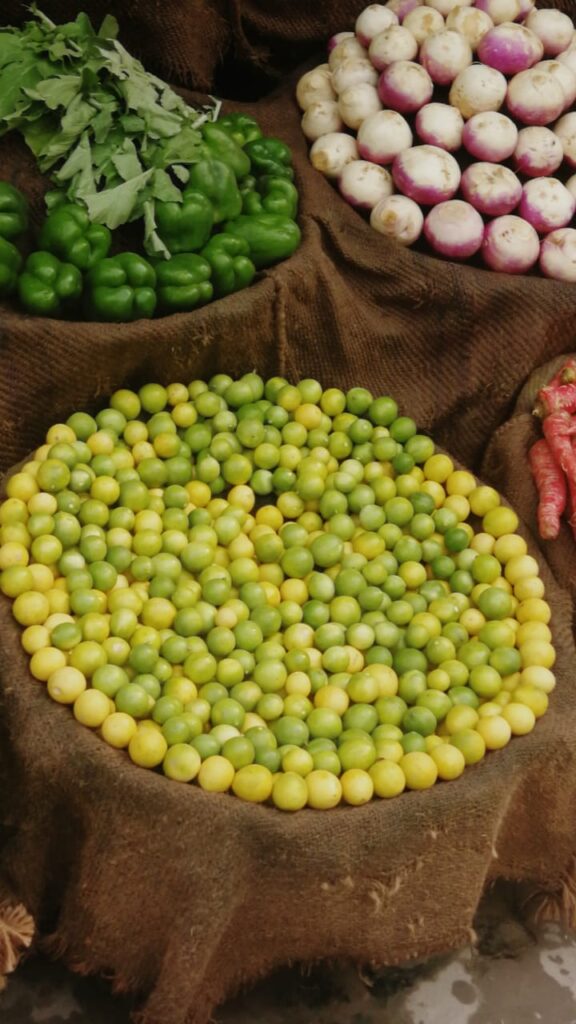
184, 896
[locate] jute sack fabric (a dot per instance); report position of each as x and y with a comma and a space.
182, 896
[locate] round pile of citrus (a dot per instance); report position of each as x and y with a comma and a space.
274, 590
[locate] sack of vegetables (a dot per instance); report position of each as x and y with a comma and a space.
276, 598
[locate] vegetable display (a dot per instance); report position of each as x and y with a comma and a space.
121, 146
467, 108
552, 459
271, 589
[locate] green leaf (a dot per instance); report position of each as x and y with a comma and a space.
109, 28
13, 79
79, 166
126, 162
163, 188
153, 244
180, 172
116, 206
39, 134
56, 92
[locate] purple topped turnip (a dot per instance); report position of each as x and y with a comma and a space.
510, 48
383, 136
454, 229
490, 136
477, 89
538, 152
399, 218
510, 245
438, 124
405, 86
426, 174
445, 55
364, 184
491, 189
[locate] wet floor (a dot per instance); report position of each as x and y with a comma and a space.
515, 975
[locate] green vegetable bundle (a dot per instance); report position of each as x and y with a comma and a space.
217, 198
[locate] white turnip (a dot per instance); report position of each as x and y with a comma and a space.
564, 75
555, 29
558, 255
444, 7
477, 89
338, 38
510, 245
538, 152
320, 118
315, 86
490, 136
403, 7
349, 49
510, 48
373, 20
454, 229
571, 185
426, 174
352, 72
500, 10
535, 97
546, 204
568, 58
445, 55
423, 22
382, 136
364, 184
470, 22
438, 124
399, 218
565, 130
405, 86
357, 103
491, 189
525, 7
330, 153
394, 43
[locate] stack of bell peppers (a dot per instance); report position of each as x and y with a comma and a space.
236, 216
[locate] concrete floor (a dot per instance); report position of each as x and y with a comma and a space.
514, 976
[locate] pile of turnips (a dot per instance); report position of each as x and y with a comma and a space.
454, 121
274, 590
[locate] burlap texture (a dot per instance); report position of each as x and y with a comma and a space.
183, 896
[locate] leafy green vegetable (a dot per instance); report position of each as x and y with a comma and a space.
114, 137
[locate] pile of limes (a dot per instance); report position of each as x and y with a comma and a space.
275, 590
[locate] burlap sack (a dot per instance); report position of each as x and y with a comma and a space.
183, 896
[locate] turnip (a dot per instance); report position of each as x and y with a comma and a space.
525, 7
555, 29
357, 103
382, 136
565, 76
454, 229
558, 255
491, 189
395, 43
405, 86
440, 125
500, 10
399, 218
349, 49
490, 136
423, 22
565, 130
364, 184
470, 22
568, 58
373, 20
426, 174
538, 152
320, 118
315, 86
535, 97
510, 245
403, 7
445, 55
546, 204
477, 89
510, 48
330, 153
444, 7
338, 38
571, 185
352, 72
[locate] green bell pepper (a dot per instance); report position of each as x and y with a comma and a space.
270, 237
47, 286
217, 182
69, 235
232, 269
270, 156
241, 127
185, 226
121, 288
10, 263
13, 211
273, 195
183, 282
222, 147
